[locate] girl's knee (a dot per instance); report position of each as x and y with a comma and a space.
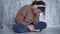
44, 25
18, 28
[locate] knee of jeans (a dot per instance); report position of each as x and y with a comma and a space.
18, 28
15, 27
44, 25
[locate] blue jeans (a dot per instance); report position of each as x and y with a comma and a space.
19, 28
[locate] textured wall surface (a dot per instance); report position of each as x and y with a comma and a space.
52, 12
9, 10
1, 14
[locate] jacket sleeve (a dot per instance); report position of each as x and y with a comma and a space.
29, 16
36, 20
20, 17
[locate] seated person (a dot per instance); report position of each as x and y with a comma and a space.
27, 19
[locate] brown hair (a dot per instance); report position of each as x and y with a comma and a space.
39, 3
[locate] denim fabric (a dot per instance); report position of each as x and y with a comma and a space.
19, 28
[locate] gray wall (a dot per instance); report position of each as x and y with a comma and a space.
1, 14
11, 7
52, 12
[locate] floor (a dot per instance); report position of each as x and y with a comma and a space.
45, 31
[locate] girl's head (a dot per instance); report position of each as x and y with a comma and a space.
40, 5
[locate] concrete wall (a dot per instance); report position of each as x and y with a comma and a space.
1, 13
52, 12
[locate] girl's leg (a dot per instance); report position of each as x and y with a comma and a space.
19, 28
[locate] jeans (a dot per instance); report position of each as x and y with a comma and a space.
19, 28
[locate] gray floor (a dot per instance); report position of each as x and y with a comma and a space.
45, 31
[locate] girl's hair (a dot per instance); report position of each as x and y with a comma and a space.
39, 3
